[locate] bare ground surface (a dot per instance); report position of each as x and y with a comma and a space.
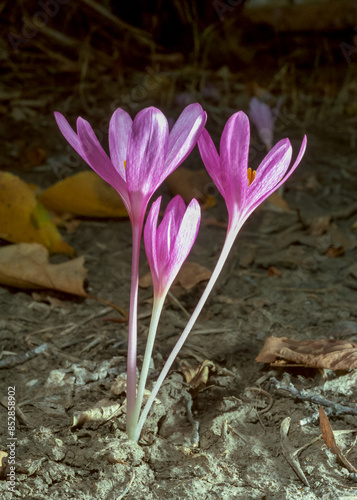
239, 453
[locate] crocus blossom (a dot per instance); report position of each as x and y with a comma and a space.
261, 115
142, 151
168, 245
142, 154
243, 189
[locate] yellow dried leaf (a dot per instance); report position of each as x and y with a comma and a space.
84, 194
26, 266
23, 219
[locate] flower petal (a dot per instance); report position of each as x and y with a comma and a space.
234, 150
271, 170
185, 238
184, 135
146, 152
211, 159
150, 240
98, 160
174, 213
119, 133
262, 117
69, 134
280, 169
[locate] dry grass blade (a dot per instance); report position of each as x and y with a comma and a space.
329, 438
289, 451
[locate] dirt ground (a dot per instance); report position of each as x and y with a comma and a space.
284, 278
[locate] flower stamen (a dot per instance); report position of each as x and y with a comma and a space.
125, 164
251, 175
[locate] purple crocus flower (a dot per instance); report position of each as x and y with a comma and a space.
168, 245
243, 189
261, 115
142, 152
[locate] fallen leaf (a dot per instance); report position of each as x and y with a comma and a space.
191, 274
192, 184
84, 194
103, 411
319, 225
273, 271
118, 386
278, 201
26, 266
197, 378
188, 277
289, 452
23, 219
334, 252
325, 353
329, 438
36, 156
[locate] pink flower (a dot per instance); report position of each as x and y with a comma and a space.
168, 245
242, 188
262, 117
142, 152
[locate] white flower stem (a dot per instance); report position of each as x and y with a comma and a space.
155, 317
132, 331
230, 238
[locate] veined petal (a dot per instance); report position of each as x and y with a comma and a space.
270, 187
150, 240
271, 170
98, 160
234, 150
185, 238
176, 209
184, 135
69, 134
262, 117
211, 159
147, 151
119, 133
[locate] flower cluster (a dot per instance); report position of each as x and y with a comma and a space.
142, 154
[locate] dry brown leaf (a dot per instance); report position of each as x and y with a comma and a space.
191, 184
278, 201
273, 271
36, 155
319, 225
23, 219
188, 277
118, 386
334, 252
191, 274
197, 378
325, 353
84, 194
329, 438
26, 266
327, 432
103, 411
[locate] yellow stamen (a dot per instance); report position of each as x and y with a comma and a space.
125, 164
251, 175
